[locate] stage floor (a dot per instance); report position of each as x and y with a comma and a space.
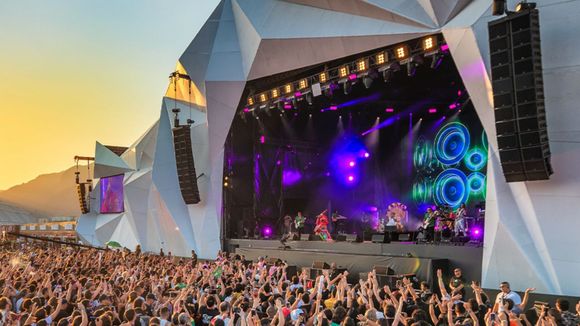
361, 257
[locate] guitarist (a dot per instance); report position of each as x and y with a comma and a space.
299, 221
429, 224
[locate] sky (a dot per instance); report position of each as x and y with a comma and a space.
73, 72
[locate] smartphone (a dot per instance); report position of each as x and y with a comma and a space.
492, 317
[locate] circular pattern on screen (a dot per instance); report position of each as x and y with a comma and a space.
451, 143
451, 188
476, 182
475, 159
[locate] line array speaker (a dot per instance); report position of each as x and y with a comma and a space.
518, 96
185, 164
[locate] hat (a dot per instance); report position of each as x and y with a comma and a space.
295, 314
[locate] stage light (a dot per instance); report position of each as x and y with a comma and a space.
367, 155
333, 108
176, 228
367, 81
444, 47
309, 98
347, 87
250, 101
288, 89
429, 43
361, 65
413, 64
246, 110
402, 52
303, 83
275, 93
267, 231
263, 97
436, 60
225, 184
498, 7
350, 178
323, 77
432, 110
452, 106
525, 5
351, 164
262, 139
381, 58
389, 110
343, 72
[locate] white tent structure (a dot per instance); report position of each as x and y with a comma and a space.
531, 227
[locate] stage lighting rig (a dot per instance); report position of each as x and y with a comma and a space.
413, 64
175, 117
524, 5
499, 7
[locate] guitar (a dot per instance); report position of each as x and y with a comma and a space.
299, 221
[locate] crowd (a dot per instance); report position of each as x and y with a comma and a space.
79, 286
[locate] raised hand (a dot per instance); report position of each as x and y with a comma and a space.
439, 273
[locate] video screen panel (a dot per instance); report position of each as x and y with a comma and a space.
112, 195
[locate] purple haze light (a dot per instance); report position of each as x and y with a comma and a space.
350, 178
444, 47
452, 106
287, 106
366, 154
459, 93
351, 164
333, 108
267, 231
298, 94
352, 76
432, 110
246, 110
291, 177
262, 139
390, 110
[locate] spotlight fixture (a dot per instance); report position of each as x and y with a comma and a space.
499, 7
309, 98
343, 71
275, 93
347, 87
429, 43
437, 60
323, 77
362, 65
381, 58
402, 52
250, 101
413, 64
524, 5
288, 88
303, 83
263, 97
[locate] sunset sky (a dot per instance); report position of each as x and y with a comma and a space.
74, 72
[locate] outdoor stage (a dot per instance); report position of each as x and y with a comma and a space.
420, 259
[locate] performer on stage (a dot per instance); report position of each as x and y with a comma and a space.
299, 221
287, 229
460, 220
321, 228
429, 224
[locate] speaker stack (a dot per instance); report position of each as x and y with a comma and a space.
518, 96
185, 164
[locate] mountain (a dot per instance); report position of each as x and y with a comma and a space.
48, 195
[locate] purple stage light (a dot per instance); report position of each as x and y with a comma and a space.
278, 162
351, 164
452, 106
267, 231
390, 110
246, 110
444, 47
352, 76
333, 108
298, 94
262, 139
366, 154
459, 93
432, 110
287, 107
350, 178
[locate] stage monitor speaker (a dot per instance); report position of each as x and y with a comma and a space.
380, 238
320, 265
348, 237
304, 237
518, 96
185, 164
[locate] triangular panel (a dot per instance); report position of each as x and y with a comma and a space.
108, 163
